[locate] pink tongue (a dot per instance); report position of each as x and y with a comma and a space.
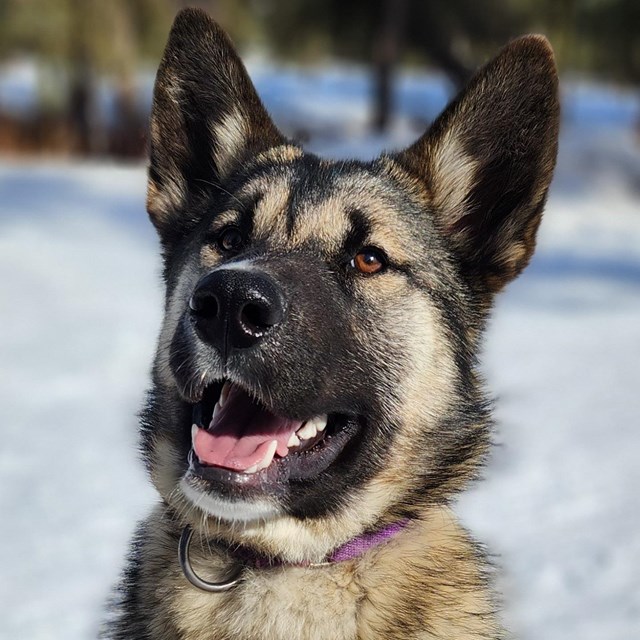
240, 434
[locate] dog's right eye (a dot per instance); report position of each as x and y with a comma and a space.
369, 261
230, 239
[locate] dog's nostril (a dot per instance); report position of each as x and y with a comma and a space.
257, 317
204, 305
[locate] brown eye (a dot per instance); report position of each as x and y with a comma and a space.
369, 261
230, 239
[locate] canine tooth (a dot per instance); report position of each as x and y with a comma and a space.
294, 441
252, 469
215, 410
224, 394
321, 422
308, 430
194, 430
268, 456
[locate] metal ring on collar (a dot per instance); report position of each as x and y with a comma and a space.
193, 577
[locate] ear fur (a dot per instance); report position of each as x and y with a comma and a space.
206, 119
488, 160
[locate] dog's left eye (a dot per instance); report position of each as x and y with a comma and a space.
230, 239
369, 261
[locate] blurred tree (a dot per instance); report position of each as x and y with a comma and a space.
88, 40
612, 27
83, 44
449, 33
387, 46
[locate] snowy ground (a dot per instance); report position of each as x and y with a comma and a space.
80, 306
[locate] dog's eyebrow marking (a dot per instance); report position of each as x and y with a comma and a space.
230, 216
269, 212
240, 214
321, 222
359, 233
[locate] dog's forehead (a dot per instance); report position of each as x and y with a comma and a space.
315, 201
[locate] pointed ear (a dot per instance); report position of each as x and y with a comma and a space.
206, 119
488, 160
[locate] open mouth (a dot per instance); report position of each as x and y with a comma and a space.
236, 439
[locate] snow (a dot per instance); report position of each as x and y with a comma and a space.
81, 300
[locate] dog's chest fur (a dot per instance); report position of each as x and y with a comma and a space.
278, 604
427, 583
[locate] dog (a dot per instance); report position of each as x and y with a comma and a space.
315, 402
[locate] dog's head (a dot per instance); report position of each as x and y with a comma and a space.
315, 373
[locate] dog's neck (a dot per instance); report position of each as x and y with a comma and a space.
246, 557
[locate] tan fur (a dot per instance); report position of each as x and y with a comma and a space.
281, 154
415, 188
230, 135
431, 567
454, 169
161, 202
269, 217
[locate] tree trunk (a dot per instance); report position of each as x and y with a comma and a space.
126, 130
386, 51
81, 112
79, 108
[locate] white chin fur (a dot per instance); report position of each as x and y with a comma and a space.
236, 511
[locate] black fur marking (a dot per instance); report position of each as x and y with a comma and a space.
358, 235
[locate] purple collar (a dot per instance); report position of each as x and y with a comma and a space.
350, 550
359, 545
247, 557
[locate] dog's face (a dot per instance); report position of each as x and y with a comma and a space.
315, 370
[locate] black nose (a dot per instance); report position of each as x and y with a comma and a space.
234, 308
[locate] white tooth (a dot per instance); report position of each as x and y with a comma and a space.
215, 410
252, 469
321, 422
294, 441
226, 387
308, 430
194, 430
268, 457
